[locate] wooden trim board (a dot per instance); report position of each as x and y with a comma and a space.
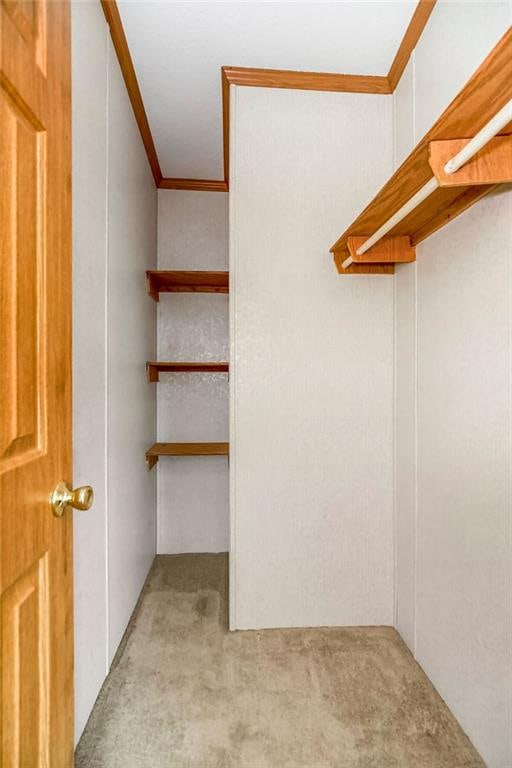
306, 81
113, 18
225, 122
185, 281
154, 369
184, 449
188, 449
257, 77
409, 41
201, 185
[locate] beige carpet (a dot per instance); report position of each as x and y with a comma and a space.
186, 693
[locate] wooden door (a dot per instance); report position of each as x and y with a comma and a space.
35, 384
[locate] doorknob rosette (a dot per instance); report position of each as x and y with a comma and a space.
63, 496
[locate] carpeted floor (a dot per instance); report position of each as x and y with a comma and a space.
186, 693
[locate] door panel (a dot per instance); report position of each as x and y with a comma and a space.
23, 377
29, 19
35, 384
26, 701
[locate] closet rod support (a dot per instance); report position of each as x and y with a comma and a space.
490, 129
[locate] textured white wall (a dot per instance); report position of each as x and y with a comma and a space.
131, 340
454, 412
89, 38
312, 365
405, 390
114, 409
456, 40
193, 504
464, 547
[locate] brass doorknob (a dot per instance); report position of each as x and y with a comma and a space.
63, 496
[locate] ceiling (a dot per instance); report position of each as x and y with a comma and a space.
178, 49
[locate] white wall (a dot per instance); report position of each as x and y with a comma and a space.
90, 52
193, 503
454, 413
312, 365
131, 340
114, 410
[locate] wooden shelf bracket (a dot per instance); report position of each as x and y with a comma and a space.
492, 164
151, 460
392, 250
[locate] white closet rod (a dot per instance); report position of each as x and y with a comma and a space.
494, 126
421, 195
490, 130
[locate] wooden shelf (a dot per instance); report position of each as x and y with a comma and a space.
154, 369
489, 89
179, 281
185, 449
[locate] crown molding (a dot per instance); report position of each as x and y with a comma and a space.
202, 185
409, 41
118, 36
306, 81
257, 77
